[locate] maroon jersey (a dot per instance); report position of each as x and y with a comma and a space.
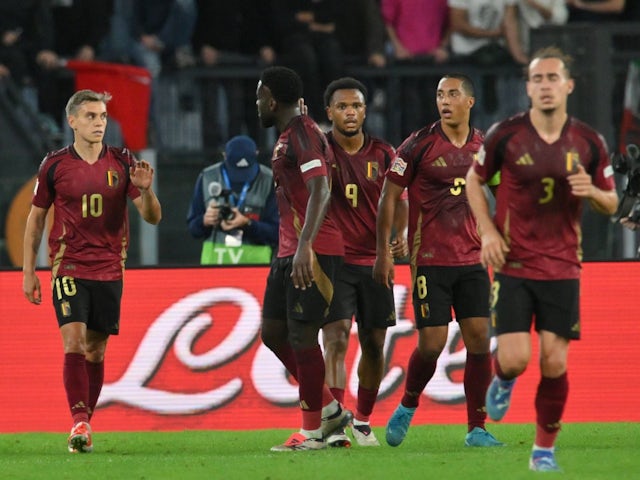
90, 233
302, 153
536, 212
442, 228
357, 183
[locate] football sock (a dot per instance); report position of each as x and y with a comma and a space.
551, 398
76, 384
338, 393
366, 401
477, 376
95, 374
419, 372
311, 381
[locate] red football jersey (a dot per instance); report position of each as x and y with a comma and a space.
442, 228
90, 233
302, 153
357, 183
535, 210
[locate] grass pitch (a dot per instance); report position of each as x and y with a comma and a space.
608, 451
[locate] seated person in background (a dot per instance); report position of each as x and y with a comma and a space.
233, 208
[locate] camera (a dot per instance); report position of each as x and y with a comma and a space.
628, 164
225, 212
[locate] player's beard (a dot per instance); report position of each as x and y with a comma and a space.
349, 133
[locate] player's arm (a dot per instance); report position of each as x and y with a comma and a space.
32, 237
317, 204
383, 267
147, 203
494, 248
399, 247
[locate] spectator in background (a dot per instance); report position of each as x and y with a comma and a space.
151, 33
309, 44
79, 28
362, 36
418, 33
231, 33
537, 13
246, 231
361, 33
596, 10
27, 52
485, 33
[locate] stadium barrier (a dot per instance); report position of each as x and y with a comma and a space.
189, 356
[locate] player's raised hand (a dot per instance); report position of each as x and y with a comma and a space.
141, 174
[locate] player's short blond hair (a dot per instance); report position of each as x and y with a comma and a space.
82, 96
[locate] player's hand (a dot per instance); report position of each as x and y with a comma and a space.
383, 271
494, 250
141, 175
399, 247
304, 110
580, 182
302, 267
31, 287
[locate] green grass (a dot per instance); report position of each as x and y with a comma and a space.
585, 451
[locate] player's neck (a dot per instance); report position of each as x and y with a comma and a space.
457, 134
548, 125
287, 114
352, 144
88, 151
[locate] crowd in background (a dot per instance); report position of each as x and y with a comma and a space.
317, 38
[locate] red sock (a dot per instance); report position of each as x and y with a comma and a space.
338, 394
366, 401
477, 376
550, 401
311, 383
419, 372
76, 384
95, 373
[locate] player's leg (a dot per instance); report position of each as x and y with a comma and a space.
335, 337
471, 306
71, 301
374, 314
370, 372
512, 310
557, 322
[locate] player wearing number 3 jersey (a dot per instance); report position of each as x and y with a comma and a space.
549, 163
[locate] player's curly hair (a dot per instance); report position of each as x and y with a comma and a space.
285, 84
82, 96
344, 83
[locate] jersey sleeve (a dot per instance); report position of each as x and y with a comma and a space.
603, 177
311, 153
485, 162
43, 194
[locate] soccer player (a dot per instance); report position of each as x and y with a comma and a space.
445, 255
361, 163
301, 281
88, 184
549, 163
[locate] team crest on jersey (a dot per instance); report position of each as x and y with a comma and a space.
398, 166
573, 159
112, 178
372, 170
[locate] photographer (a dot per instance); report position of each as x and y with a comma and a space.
628, 213
233, 208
